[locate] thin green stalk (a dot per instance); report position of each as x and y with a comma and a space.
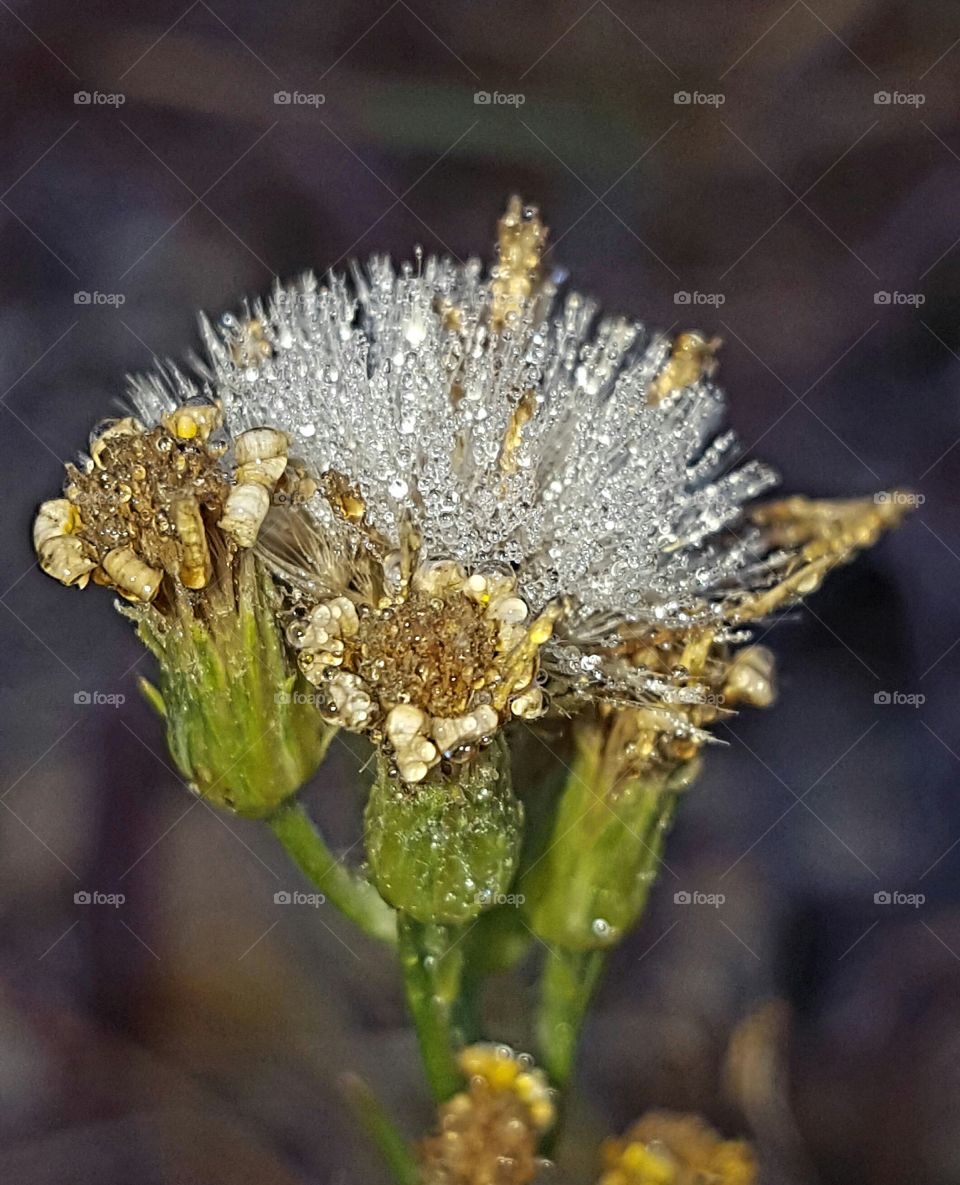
493, 943
355, 898
569, 981
467, 1012
432, 966
392, 1145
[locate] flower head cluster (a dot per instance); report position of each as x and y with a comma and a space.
488, 1134
502, 503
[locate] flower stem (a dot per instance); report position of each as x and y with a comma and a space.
393, 1147
432, 966
355, 898
569, 980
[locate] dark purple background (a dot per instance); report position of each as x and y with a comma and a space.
197, 1033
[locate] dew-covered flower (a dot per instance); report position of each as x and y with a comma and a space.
153, 502
164, 509
501, 502
449, 499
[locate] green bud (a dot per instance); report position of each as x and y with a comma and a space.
591, 882
446, 848
240, 727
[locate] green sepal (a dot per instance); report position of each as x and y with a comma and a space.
242, 725
445, 849
591, 882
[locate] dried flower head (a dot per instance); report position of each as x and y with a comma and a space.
155, 502
504, 503
425, 656
488, 1134
164, 510
672, 1149
805, 540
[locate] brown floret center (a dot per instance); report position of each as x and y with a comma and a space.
127, 498
431, 651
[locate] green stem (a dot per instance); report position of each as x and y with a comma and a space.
467, 1012
432, 965
355, 898
569, 980
391, 1143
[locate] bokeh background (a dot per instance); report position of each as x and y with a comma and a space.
795, 169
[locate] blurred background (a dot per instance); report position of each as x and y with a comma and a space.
784, 175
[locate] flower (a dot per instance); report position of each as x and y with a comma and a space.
503, 503
802, 540
488, 1134
664, 1148
153, 503
159, 513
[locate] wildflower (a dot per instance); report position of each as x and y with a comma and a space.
630, 763
164, 510
499, 497
149, 503
488, 1134
664, 1148
447, 502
